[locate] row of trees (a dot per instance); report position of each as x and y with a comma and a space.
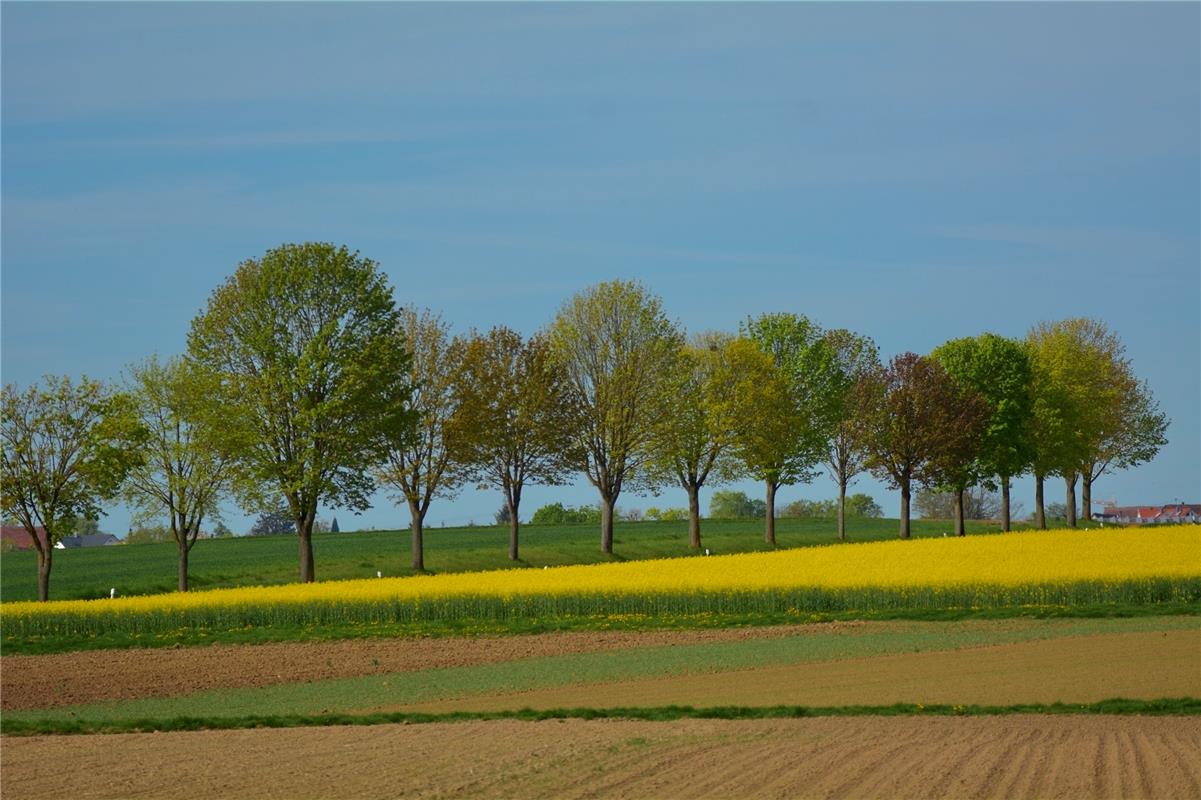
304, 381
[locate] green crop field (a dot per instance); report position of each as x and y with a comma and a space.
248, 561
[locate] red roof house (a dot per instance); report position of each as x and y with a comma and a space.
19, 537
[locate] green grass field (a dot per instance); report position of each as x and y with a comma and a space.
248, 561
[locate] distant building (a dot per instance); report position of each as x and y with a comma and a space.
1171, 514
18, 538
91, 540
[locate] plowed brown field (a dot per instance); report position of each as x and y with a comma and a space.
864, 757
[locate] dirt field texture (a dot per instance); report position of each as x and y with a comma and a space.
865, 757
875, 663
1070, 670
53, 680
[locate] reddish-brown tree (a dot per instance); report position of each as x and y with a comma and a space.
515, 422
920, 424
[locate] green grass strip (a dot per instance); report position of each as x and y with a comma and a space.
1181, 706
12, 644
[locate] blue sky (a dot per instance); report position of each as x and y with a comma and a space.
913, 172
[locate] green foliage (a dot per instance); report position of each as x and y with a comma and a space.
192, 445
66, 447
85, 526
730, 504
273, 523
149, 534
999, 370
863, 506
666, 514
858, 505
1175, 707
1086, 399
221, 531
811, 509
616, 348
516, 420
557, 514
856, 359
305, 341
693, 444
800, 419
421, 463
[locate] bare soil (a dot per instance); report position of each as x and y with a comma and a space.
1083, 669
50, 681
864, 757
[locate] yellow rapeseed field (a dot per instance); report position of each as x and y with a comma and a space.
1050, 567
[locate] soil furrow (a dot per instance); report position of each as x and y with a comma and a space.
870, 758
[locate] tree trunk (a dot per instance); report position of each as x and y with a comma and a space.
1086, 493
769, 529
183, 565
45, 559
842, 506
1070, 499
305, 533
960, 530
1005, 502
416, 524
1040, 509
694, 516
514, 530
607, 506
905, 509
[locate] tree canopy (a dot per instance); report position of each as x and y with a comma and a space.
795, 425
192, 446
305, 341
856, 358
999, 370
66, 447
920, 421
515, 419
694, 445
421, 461
616, 347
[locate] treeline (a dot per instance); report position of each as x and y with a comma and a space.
304, 380
724, 504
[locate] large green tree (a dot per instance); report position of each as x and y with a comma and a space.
998, 369
67, 446
304, 339
421, 463
192, 445
515, 419
616, 348
808, 365
919, 422
1085, 395
855, 359
694, 445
